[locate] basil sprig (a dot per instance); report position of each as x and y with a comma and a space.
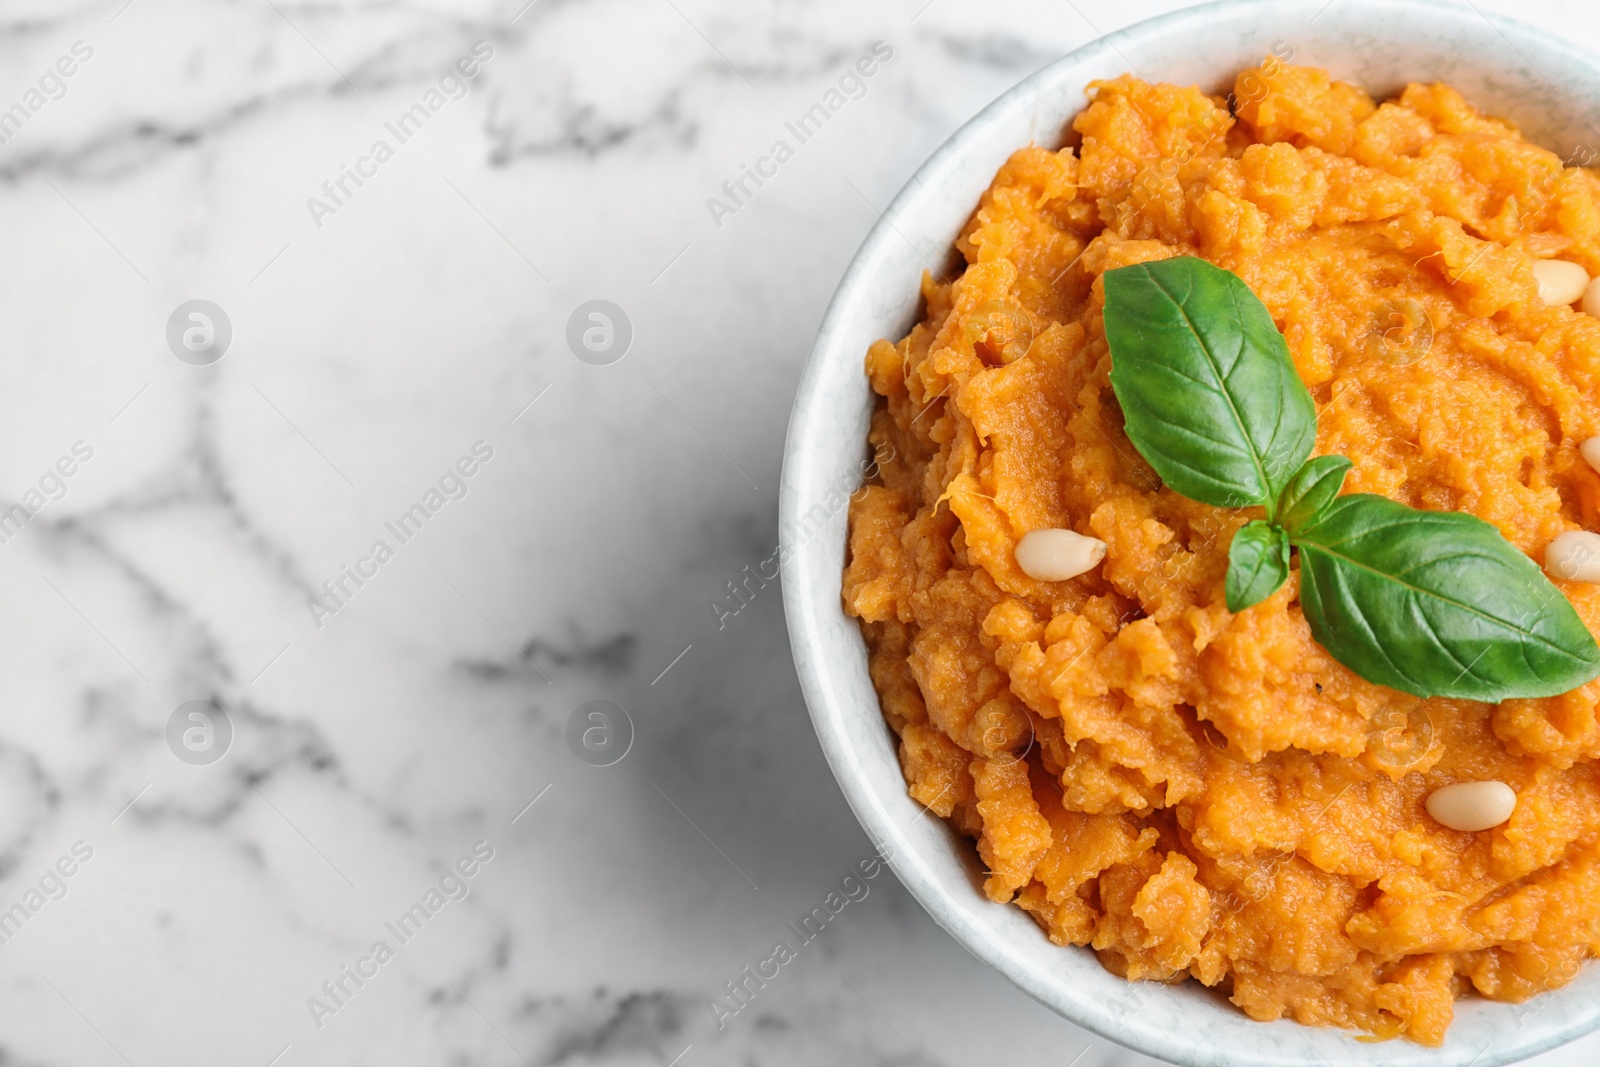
1431, 603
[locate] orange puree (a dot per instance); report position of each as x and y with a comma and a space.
1201, 794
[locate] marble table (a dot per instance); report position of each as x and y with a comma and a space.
341, 511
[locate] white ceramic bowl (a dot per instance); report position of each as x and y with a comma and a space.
1506, 68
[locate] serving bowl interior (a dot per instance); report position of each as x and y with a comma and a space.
1517, 72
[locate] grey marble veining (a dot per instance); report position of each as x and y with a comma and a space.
373, 346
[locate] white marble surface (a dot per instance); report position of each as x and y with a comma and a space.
369, 353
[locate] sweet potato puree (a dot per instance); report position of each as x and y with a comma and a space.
1193, 793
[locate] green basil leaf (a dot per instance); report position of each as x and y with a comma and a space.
1209, 395
1258, 563
1311, 489
1437, 603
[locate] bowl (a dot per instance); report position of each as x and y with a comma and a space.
1508, 69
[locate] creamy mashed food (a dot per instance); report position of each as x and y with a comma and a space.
1198, 794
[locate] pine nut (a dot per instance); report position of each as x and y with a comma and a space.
1591, 298
1472, 806
1055, 555
1574, 556
1560, 281
1590, 449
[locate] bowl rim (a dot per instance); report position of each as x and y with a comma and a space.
817, 672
